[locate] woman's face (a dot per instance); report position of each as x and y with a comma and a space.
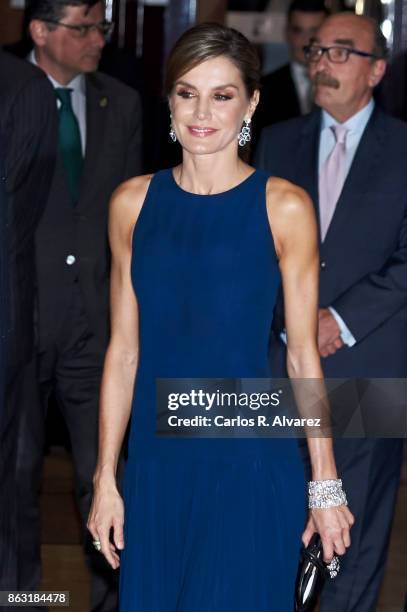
208, 105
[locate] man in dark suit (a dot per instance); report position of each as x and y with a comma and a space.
28, 125
350, 157
99, 147
287, 92
4, 324
28, 122
4, 289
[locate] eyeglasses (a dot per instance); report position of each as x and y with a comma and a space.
83, 29
336, 55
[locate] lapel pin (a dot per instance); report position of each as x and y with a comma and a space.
103, 102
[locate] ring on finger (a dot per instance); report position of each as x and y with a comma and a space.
333, 567
97, 544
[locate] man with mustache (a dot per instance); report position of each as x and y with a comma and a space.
99, 148
351, 158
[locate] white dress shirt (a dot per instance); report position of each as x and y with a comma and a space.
78, 99
302, 85
356, 126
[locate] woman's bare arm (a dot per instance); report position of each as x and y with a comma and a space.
119, 368
294, 228
295, 234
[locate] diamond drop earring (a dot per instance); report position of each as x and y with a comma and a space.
173, 135
244, 135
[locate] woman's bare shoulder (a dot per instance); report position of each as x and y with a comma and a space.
131, 193
285, 199
125, 206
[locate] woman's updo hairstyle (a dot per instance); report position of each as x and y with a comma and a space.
210, 40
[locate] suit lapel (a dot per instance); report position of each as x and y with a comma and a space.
364, 166
97, 103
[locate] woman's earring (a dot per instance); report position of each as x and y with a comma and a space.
244, 135
173, 135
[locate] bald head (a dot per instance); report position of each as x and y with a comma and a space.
342, 89
362, 27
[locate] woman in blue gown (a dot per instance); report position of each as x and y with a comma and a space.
198, 254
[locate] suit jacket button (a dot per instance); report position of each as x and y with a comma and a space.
70, 260
323, 265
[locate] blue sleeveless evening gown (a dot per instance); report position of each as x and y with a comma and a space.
211, 525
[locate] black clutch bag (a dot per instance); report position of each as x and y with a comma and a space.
312, 573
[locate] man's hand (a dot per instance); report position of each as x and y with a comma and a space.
329, 334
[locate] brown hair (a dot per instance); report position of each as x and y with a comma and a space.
207, 41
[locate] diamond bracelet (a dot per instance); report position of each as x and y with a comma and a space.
326, 494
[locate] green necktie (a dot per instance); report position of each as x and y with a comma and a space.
70, 141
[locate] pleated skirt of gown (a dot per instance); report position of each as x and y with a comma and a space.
220, 535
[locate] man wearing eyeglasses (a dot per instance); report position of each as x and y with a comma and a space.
351, 158
99, 148
287, 92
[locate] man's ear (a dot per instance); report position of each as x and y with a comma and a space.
38, 32
377, 73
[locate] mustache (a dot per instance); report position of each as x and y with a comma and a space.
322, 78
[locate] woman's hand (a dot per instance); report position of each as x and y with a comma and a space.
333, 525
107, 512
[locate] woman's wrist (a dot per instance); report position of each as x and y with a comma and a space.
327, 493
324, 468
330, 473
105, 475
